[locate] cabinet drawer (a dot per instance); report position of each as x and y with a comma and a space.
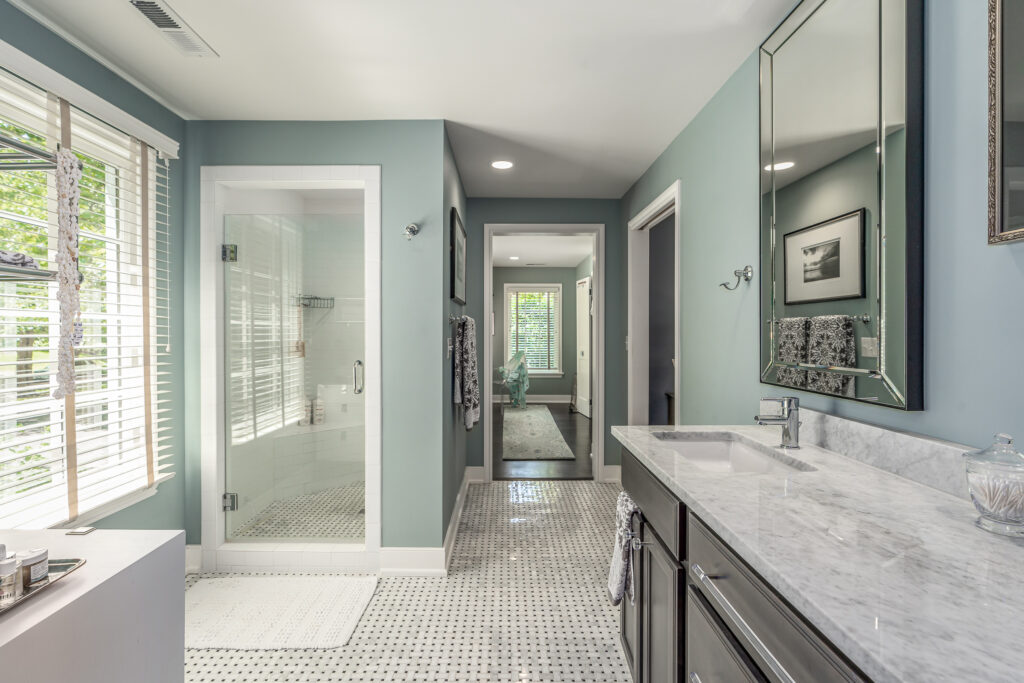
661, 509
712, 654
785, 647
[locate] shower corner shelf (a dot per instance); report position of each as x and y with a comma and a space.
307, 301
22, 274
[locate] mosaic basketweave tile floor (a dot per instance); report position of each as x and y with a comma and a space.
337, 514
525, 600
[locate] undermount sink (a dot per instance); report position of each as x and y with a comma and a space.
727, 453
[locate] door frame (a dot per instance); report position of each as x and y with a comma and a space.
589, 280
597, 336
638, 302
217, 553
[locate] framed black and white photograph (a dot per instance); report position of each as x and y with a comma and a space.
825, 261
458, 258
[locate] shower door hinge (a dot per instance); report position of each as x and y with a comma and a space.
229, 253
229, 502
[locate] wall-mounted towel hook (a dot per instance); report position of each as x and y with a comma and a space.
746, 274
411, 231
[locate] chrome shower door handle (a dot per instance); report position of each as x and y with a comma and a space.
357, 377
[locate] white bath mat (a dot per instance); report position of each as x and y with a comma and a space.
275, 612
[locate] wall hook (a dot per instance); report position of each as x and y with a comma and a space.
411, 231
747, 274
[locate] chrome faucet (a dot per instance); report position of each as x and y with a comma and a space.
783, 411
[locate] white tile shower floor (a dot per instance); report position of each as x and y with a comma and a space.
337, 513
525, 600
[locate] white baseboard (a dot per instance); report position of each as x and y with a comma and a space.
475, 475
412, 561
612, 474
540, 398
193, 559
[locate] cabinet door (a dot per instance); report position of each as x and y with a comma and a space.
629, 619
662, 613
712, 654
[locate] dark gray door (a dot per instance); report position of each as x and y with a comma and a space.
662, 615
662, 320
629, 621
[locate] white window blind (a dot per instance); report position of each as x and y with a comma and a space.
533, 324
265, 352
53, 468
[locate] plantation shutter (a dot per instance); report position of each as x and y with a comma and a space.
535, 325
52, 471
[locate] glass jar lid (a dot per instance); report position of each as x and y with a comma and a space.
1001, 453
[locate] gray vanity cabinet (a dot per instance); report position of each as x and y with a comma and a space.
663, 582
712, 654
702, 615
629, 618
652, 632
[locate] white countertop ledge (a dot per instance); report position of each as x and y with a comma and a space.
894, 573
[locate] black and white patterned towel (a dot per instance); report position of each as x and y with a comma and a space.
831, 341
620, 574
793, 349
465, 385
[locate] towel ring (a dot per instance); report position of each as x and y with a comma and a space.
746, 274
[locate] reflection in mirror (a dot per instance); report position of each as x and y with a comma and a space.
834, 200
1006, 121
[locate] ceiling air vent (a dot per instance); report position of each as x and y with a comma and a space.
170, 24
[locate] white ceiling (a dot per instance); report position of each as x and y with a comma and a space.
581, 94
549, 251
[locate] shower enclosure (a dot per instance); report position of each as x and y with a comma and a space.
293, 297
298, 363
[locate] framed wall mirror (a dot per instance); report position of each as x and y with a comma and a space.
1005, 121
842, 201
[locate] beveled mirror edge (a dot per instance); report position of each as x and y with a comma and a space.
995, 129
913, 399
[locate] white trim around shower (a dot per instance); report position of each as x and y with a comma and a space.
218, 554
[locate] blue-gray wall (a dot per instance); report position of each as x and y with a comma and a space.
974, 314
607, 211
539, 384
454, 437
410, 154
165, 510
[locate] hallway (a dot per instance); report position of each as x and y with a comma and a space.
525, 600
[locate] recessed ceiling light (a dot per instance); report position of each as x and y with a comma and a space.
502, 165
513, 258
781, 166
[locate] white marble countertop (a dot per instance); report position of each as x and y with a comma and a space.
894, 573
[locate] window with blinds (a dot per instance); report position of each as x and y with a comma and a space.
533, 324
60, 458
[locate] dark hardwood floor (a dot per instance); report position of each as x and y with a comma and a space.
575, 430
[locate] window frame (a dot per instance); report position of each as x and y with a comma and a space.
546, 287
150, 181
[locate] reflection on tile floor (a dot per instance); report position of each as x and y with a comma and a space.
525, 600
337, 513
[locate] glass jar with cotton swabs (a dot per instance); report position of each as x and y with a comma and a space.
995, 478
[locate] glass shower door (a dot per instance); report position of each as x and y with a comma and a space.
294, 409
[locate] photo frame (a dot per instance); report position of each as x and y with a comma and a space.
458, 258
825, 261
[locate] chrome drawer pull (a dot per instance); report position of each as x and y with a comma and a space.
748, 633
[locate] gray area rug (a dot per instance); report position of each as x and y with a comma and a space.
530, 433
